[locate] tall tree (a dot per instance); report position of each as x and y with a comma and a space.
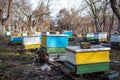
5, 9
97, 10
115, 4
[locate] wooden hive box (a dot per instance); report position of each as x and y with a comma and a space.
69, 33
100, 37
115, 39
88, 36
31, 42
95, 59
25, 34
7, 34
54, 43
16, 39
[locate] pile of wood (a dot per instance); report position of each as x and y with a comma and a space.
85, 45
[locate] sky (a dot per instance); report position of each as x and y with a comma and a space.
59, 4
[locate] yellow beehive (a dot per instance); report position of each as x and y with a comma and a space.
31, 42
88, 56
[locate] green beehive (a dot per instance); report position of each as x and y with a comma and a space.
88, 36
7, 34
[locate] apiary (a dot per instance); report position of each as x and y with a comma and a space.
81, 61
31, 42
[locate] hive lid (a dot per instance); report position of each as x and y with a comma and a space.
93, 48
55, 35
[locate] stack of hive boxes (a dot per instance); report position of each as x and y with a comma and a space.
33, 41
81, 61
54, 43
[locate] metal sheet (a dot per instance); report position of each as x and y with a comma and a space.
93, 48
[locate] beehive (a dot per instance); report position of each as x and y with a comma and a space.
54, 43
51, 32
25, 34
16, 39
31, 42
115, 39
100, 37
88, 36
81, 61
7, 34
69, 33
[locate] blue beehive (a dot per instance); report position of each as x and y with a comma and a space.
16, 39
54, 43
58, 41
69, 33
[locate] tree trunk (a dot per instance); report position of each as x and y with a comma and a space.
97, 25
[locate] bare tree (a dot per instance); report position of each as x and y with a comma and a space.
5, 8
115, 4
97, 11
70, 19
32, 20
42, 16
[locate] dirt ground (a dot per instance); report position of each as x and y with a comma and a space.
20, 66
